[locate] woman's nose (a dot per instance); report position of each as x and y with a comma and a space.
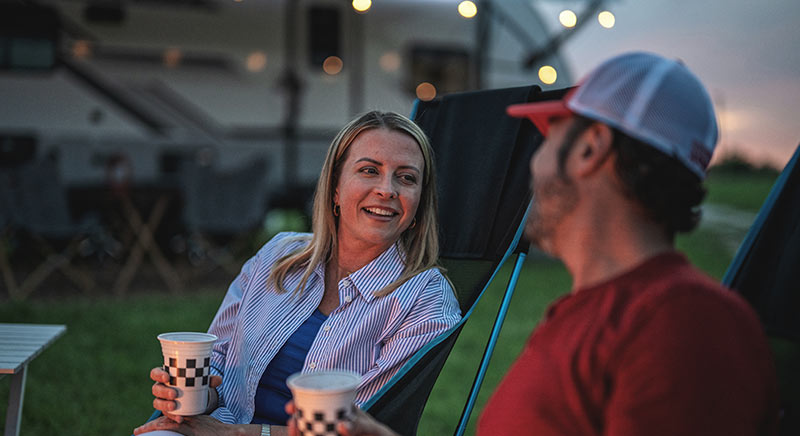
386, 188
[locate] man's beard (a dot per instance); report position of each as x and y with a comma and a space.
553, 199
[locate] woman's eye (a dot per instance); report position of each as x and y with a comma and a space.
369, 170
408, 179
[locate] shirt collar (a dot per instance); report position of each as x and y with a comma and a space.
379, 272
375, 275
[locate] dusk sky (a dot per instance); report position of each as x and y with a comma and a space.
747, 52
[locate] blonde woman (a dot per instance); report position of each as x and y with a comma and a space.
363, 292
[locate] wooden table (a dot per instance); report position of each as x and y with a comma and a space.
19, 345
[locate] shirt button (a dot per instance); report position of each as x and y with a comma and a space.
312, 365
348, 299
326, 328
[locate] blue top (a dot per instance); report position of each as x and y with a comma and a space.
272, 393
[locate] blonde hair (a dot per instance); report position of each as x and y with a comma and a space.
419, 243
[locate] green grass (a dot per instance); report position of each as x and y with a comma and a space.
94, 380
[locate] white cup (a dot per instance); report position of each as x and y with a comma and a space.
322, 399
187, 357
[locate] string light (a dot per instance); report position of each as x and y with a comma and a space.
426, 91
332, 65
467, 9
362, 5
606, 19
567, 18
548, 75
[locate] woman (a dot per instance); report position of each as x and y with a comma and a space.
362, 293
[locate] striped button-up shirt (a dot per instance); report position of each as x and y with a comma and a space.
370, 335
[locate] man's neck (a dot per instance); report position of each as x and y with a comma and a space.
598, 245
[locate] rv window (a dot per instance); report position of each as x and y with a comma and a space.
446, 68
28, 37
324, 34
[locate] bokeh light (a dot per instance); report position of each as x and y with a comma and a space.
256, 61
81, 49
567, 18
172, 57
332, 65
467, 9
548, 75
606, 19
390, 61
426, 91
362, 5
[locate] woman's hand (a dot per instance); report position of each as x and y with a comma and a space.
200, 425
361, 424
165, 395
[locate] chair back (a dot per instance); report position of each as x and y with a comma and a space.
39, 201
483, 179
224, 202
765, 272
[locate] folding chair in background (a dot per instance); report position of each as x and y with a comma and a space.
37, 203
482, 158
223, 204
766, 272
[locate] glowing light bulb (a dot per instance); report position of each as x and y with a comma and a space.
467, 9
362, 5
548, 75
256, 61
426, 91
332, 65
567, 18
606, 19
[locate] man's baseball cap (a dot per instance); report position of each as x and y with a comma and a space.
648, 97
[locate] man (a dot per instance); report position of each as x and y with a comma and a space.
644, 344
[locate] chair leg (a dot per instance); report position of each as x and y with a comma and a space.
145, 243
8, 273
56, 261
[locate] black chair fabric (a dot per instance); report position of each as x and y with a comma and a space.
768, 276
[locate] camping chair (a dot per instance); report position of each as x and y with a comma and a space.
765, 272
483, 180
37, 203
482, 158
224, 204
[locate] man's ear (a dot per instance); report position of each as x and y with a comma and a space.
594, 147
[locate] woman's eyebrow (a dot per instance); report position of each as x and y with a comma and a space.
403, 167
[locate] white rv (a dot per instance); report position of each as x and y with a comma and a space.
224, 82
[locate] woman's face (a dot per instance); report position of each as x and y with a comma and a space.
379, 189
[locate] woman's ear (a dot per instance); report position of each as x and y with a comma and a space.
594, 147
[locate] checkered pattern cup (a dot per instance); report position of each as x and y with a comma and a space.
322, 399
187, 358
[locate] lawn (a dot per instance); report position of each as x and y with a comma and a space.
94, 380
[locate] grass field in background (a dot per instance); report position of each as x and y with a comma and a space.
94, 380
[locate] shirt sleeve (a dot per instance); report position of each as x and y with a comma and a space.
435, 311
224, 326
694, 363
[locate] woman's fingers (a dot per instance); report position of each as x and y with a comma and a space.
158, 375
161, 423
215, 381
164, 392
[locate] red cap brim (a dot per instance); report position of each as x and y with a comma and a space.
540, 112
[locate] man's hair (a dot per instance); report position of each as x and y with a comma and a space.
668, 191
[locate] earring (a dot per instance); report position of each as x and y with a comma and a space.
413, 223
336, 210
